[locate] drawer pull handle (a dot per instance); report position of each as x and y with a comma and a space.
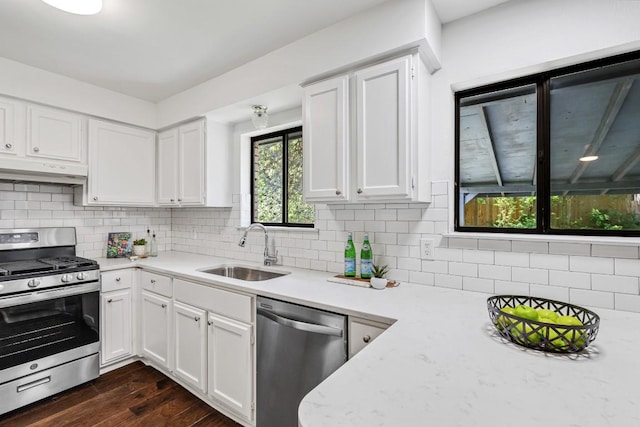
196, 318
366, 338
36, 149
33, 384
209, 323
117, 279
164, 305
8, 146
153, 280
109, 300
338, 192
359, 191
172, 200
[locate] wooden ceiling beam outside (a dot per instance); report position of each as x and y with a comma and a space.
491, 149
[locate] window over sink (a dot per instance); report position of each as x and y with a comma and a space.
276, 180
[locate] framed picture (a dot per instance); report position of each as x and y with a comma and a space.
119, 245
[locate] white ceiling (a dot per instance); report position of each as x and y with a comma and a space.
152, 49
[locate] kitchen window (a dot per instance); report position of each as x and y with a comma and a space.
276, 184
553, 153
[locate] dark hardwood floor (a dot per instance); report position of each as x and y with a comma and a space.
134, 395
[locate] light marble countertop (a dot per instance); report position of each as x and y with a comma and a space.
441, 363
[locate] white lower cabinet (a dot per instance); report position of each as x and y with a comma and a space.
231, 364
156, 328
116, 325
190, 330
362, 332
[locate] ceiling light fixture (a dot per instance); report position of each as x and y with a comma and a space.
260, 118
588, 158
78, 7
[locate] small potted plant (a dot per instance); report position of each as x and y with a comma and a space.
138, 247
378, 281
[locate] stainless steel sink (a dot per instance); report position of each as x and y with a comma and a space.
251, 274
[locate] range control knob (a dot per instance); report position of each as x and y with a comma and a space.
33, 283
81, 276
65, 278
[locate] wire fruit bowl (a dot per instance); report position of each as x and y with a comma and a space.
542, 335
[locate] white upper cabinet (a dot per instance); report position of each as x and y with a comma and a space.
8, 129
54, 134
181, 165
383, 130
122, 165
326, 140
168, 167
368, 142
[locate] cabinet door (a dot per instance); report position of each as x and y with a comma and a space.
383, 101
168, 167
116, 325
190, 344
231, 364
362, 333
191, 157
326, 141
8, 143
54, 134
156, 330
122, 165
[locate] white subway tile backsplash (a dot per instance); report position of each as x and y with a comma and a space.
591, 264
478, 257
447, 254
612, 251
386, 215
439, 187
421, 227
421, 278
618, 284
562, 248
448, 281
463, 269
398, 227
626, 302
512, 259
551, 262
530, 247
570, 279
435, 267
591, 298
550, 292
494, 245
477, 285
627, 267
511, 288
498, 272
530, 275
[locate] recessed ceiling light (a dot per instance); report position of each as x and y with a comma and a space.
588, 158
79, 7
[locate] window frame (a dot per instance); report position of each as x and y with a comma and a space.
284, 134
543, 148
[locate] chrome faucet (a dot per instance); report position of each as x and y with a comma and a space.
270, 253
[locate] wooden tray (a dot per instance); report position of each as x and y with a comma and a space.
358, 281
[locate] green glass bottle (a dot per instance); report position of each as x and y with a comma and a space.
366, 259
349, 258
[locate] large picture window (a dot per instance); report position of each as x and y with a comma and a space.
276, 171
554, 153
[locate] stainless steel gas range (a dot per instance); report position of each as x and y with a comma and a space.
49, 315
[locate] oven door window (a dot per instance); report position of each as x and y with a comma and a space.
35, 330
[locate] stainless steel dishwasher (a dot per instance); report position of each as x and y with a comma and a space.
298, 347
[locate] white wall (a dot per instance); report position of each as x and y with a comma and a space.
33, 84
385, 28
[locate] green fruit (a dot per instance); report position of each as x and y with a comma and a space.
526, 312
503, 321
568, 321
577, 337
547, 314
523, 333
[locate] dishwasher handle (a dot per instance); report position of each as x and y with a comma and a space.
301, 326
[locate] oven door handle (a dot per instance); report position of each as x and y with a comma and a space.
49, 294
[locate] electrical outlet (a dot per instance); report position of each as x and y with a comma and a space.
427, 248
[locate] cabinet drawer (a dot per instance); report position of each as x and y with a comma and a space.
156, 283
117, 279
362, 332
225, 303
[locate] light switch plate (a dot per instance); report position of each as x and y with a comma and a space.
427, 248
